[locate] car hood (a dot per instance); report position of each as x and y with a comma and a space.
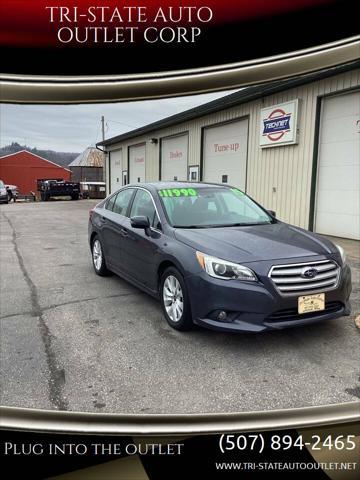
257, 242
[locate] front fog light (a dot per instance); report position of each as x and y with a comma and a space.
222, 316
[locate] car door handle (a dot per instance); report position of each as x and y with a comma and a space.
102, 219
124, 232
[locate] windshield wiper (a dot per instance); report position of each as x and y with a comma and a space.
225, 225
189, 226
211, 225
245, 224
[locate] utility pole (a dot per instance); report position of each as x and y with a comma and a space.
105, 156
103, 127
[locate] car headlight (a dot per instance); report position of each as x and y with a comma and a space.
342, 254
215, 267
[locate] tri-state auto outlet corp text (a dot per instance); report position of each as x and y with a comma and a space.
127, 24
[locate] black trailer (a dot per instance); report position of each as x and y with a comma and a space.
92, 190
57, 187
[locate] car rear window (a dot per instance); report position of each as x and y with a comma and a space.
110, 203
122, 201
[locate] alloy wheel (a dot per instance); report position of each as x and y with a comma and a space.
97, 254
173, 298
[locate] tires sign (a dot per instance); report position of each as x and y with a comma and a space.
278, 124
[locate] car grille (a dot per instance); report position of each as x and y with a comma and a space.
290, 279
292, 313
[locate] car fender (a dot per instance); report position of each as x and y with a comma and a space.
182, 256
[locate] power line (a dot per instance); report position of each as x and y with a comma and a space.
122, 123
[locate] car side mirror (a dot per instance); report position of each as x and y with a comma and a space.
141, 222
272, 213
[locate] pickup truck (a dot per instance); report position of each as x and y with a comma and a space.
49, 187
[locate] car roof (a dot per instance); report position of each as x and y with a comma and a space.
176, 184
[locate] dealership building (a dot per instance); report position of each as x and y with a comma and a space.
293, 145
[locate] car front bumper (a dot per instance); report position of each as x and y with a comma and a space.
258, 306
4, 198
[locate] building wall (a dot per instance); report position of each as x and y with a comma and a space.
86, 174
279, 177
23, 169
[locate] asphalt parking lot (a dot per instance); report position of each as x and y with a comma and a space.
72, 340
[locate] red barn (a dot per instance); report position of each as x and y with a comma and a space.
24, 168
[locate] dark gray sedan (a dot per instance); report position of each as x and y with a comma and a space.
216, 258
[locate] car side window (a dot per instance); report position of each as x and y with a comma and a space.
110, 203
143, 205
122, 201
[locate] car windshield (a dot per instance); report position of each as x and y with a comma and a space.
2, 184
211, 207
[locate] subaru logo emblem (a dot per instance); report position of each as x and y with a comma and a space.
309, 273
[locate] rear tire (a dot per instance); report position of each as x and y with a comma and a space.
175, 300
98, 258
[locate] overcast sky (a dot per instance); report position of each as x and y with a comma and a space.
72, 128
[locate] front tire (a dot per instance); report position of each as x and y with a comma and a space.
98, 258
175, 300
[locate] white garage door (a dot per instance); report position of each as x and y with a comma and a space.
174, 158
137, 163
338, 196
225, 153
116, 158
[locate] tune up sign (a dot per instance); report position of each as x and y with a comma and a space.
278, 124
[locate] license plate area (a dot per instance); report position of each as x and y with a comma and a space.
311, 303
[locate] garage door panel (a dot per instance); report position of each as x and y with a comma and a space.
337, 200
342, 106
137, 163
225, 153
340, 129
341, 179
174, 158
338, 183
216, 175
221, 135
343, 225
346, 151
116, 159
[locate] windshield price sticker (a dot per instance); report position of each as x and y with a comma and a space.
237, 191
178, 192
